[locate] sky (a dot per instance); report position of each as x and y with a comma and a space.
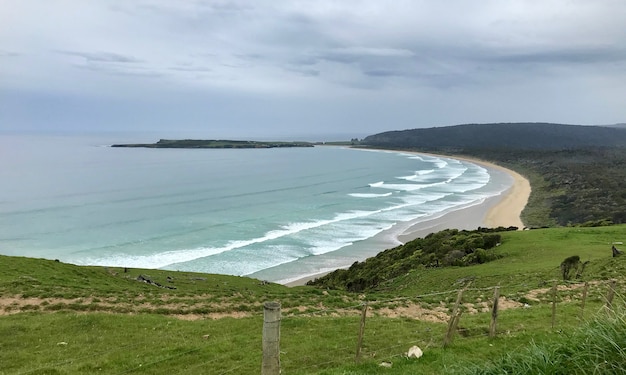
298, 69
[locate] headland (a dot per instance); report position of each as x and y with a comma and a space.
213, 143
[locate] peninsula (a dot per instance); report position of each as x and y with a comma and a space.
212, 143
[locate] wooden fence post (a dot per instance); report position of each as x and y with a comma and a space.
359, 342
454, 319
554, 303
271, 339
584, 299
609, 297
494, 312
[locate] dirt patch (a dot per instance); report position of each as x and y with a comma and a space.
177, 307
205, 307
415, 311
535, 294
505, 304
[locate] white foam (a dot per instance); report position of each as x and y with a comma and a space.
407, 187
163, 259
369, 195
440, 163
424, 172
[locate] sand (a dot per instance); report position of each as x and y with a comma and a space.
503, 210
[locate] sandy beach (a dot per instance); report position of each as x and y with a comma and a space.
503, 210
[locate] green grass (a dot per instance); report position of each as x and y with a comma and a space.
531, 260
75, 320
597, 347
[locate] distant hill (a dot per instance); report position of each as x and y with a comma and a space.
213, 143
533, 136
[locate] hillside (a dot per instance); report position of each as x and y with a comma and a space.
58, 318
531, 136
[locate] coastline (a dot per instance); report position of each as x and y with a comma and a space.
502, 210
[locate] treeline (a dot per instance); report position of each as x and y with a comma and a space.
450, 247
526, 136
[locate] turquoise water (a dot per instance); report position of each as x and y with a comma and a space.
264, 212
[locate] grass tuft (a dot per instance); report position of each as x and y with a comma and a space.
598, 347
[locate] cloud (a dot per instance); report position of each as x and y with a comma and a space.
558, 56
9, 54
352, 62
102, 57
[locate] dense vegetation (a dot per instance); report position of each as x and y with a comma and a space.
569, 186
527, 136
450, 247
212, 143
577, 173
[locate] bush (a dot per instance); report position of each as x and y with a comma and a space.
450, 247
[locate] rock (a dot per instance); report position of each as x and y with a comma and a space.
414, 352
385, 364
147, 280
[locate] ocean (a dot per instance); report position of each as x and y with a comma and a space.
275, 214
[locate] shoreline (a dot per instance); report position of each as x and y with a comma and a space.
501, 210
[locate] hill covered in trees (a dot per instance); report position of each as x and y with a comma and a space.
577, 173
527, 136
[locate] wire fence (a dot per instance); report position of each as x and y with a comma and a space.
362, 331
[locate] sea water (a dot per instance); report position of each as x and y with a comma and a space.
268, 213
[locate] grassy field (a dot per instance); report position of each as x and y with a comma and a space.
58, 318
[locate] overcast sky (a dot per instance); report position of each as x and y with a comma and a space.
301, 68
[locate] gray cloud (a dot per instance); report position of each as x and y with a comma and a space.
362, 65
558, 56
9, 54
102, 57
195, 69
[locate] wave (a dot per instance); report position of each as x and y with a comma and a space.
168, 258
345, 236
405, 187
305, 239
369, 195
422, 176
439, 163
414, 187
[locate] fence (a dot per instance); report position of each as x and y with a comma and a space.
271, 342
357, 337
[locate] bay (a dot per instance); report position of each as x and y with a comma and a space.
259, 212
